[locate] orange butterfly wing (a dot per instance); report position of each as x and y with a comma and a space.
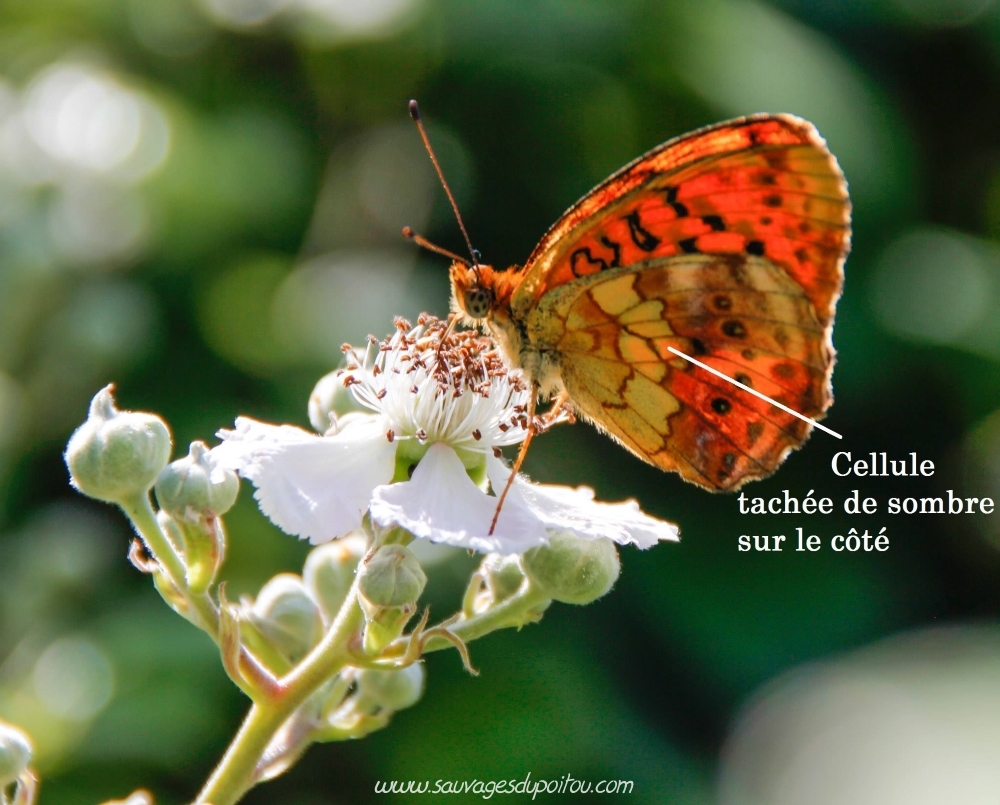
727, 244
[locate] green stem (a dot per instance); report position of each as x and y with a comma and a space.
140, 512
236, 772
508, 613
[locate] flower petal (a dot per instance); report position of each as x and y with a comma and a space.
441, 503
315, 487
562, 508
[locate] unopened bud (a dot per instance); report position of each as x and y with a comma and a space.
389, 584
15, 753
287, 617
573, 570
116, 455
499, 577
193, 485
392, 577
394, 689
194, 493
329, 572
330, 402
503, 575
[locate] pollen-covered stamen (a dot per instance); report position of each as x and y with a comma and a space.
435, 384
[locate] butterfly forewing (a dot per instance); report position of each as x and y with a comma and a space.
726, 244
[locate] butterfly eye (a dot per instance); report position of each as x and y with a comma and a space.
477, 302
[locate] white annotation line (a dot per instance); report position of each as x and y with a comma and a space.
755, 393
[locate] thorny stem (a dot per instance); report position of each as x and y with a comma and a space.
238, 769
162, 549
140, 512
237, 772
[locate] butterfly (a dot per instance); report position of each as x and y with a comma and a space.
727, 244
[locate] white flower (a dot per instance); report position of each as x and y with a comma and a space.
437, 414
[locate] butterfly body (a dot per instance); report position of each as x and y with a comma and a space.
726, 244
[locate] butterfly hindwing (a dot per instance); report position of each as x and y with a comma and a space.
741, 315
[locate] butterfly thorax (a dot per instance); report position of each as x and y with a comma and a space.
482, 297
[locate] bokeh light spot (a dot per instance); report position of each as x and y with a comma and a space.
932, 285
73, 678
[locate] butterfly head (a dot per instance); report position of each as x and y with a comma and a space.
473, 294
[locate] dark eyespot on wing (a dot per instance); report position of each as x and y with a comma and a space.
734, 328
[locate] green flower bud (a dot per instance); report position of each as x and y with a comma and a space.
116, 455
193, 492
287, 617
15, 753
497, 579
573, 570
329, 572
389, 584
394, 689
392, 577
193, 486
330, 401
503, 575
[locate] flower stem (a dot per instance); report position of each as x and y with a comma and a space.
140, 512
237, 771
512, 612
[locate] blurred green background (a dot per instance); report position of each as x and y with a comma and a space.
200, 200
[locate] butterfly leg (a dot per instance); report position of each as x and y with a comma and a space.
532, 400
559, 412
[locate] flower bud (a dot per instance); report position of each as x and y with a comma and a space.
389, 584
498, 578
394, 689
15, 753
286, 616
573, 570
503, 575
193, 485
192, 493
330, 401
392, 577
116, 455
329, 572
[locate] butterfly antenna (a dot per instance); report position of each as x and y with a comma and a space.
415, 114
420, 240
